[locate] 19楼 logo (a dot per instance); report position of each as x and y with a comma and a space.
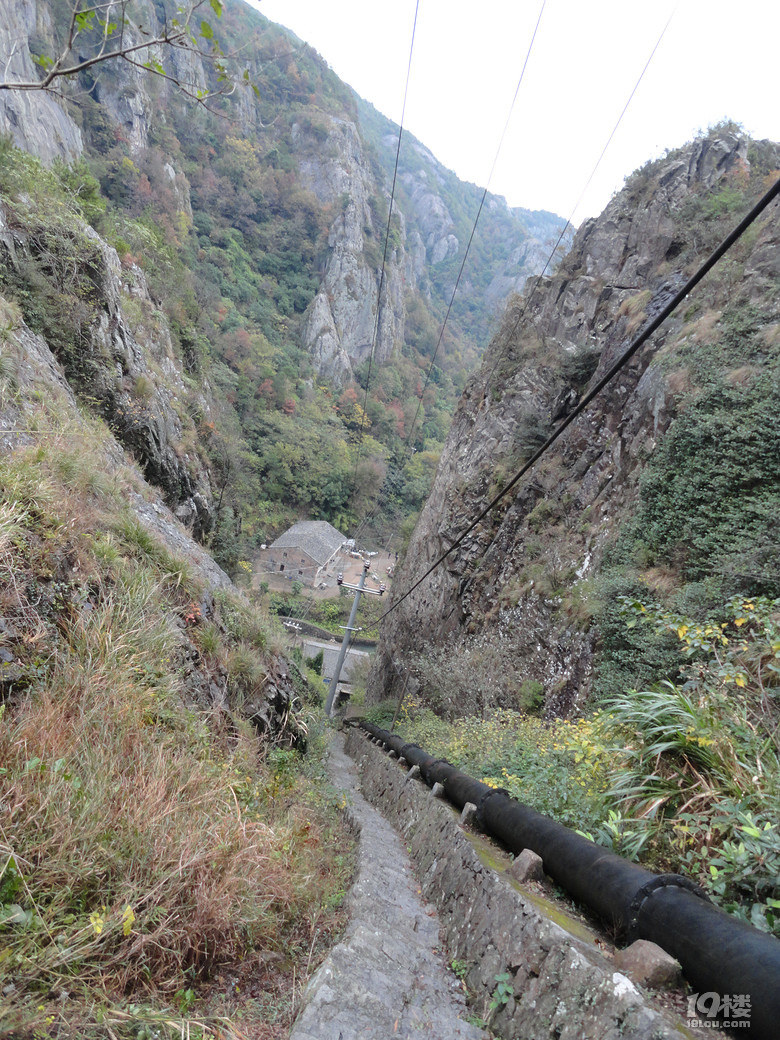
711, 1010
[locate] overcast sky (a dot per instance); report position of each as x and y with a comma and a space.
716, 60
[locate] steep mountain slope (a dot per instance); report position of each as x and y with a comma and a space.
439, 212
257, 228
142, 697
666, 487
103, 327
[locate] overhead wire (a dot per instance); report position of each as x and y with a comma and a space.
388, 227
387, 242
769, 196
392, 480
474, 225
568, 224
429, 373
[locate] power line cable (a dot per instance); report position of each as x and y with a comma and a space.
566, 226
641, 339
387, 242
393, 480
474, 228
560, 236
568, 223
429, 373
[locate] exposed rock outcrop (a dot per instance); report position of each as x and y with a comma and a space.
36, 121
508, 593
434, 222
124, 367
350, 316
342, 324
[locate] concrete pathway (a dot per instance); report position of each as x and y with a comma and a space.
386, 980
311, 647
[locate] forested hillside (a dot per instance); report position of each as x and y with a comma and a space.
258, 222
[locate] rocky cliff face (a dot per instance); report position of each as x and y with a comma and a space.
510, 606
348, 314
41, 420
120, 357
114, 347
438, 214
36, 122
343, 152
426, 247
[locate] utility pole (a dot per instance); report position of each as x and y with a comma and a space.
359, 588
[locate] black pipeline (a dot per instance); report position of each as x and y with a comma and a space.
718, 953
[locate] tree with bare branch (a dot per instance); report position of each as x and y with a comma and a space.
108, 31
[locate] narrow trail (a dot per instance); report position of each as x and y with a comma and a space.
386, 979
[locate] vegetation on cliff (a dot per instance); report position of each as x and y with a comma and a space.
212, 206
632, 583
154, 838
283, 445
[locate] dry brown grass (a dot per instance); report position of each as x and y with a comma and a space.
111, 802
661, 580
143, 846
679, 381
742, 376
635, 309
704, 326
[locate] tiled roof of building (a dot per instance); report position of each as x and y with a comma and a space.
318, 538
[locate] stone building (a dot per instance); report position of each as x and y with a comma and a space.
306, 552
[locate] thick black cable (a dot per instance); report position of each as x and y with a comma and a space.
387, 242
641, 339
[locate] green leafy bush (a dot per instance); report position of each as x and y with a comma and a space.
711, 495
698, 762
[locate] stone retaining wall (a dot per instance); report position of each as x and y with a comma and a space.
562, 986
